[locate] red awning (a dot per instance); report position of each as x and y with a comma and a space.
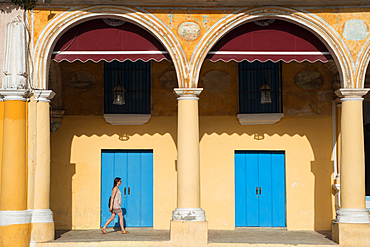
279, 40
108, 40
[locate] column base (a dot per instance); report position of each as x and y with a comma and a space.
189, 233
345, 215
188, 214
42, 225
351, 235
42, 232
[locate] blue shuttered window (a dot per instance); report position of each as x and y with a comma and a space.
251, 78
135, 78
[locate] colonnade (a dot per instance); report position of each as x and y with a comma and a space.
25, 214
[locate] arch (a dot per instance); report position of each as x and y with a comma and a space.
312, 23
70, 18
362, 63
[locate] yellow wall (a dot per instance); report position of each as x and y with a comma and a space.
76, 167
76, 148
308, 167
76, 170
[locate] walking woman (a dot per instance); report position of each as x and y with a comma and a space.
115, 206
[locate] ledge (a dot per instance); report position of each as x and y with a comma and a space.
127, 119
260, 118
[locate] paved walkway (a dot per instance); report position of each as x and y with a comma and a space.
267, 237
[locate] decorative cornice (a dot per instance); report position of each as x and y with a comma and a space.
188, 93
43, 95
20, 94
347, 93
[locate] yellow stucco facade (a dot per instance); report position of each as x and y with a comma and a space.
193, 134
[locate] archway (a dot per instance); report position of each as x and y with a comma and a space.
57, 27
318, 27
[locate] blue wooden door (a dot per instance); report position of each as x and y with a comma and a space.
135, 168
259, 189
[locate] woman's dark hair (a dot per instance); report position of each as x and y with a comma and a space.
116, 180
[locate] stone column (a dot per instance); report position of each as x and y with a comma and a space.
42, 220
352, 166
188, 225
14, 217
188, 168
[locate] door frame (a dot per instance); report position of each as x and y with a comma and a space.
285, 181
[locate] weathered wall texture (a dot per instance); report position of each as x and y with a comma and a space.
220, 89
8, 11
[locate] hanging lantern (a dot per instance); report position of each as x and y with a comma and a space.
265, 93
119, 95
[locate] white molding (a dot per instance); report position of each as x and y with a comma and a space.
268, 53
9, 94
187, 93
345, 215
260, 118
107, 52
188, 214
42, 216
127, 119
353, 94
43, 95
9, 217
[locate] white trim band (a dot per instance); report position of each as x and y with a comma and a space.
188, 214
107, 52
8, 218
20, 94
11, 217
352, 99
345, 215
42, 216
187, 98
268, 53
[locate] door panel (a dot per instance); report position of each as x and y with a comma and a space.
106, 184
251, 185
278, 187
240, 190
133, 190
146, 189
264, 174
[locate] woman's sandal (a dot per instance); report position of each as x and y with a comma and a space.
125, 232
103, 231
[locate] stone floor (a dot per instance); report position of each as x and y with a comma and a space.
150, 237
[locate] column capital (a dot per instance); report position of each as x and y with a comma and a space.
188, 93
19, 94
43, 95
353, 94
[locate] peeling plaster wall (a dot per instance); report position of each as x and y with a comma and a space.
7, 12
